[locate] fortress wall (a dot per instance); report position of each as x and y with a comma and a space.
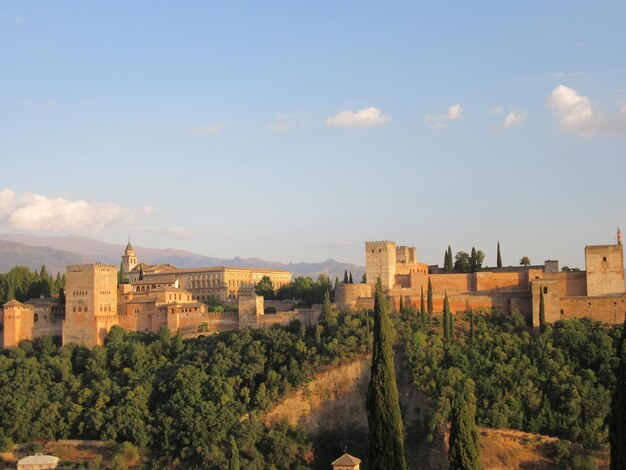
347, 296
604, 266
306, 316
501, 281
451, 283
570, 284
610, 309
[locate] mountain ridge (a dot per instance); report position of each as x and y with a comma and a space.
58, 251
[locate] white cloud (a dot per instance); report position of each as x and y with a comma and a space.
569, 75
576, 115
513, 119
496, 110
211, 129
286, 122
365, 117
455, 112
37, 213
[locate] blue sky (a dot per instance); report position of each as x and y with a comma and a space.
295, 131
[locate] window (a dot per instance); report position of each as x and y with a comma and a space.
36, 317
545, 290
604, 258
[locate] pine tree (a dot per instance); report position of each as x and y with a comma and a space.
499, 261
617, 423
350, 280
422, 309
464, 450
386, 439
542, 312
430, 298
345, 276
233, 463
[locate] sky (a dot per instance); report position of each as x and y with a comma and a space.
295, 131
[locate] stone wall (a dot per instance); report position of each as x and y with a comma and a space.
347, 296
604, 265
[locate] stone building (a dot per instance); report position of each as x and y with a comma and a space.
222, 283
156, 296
598, 292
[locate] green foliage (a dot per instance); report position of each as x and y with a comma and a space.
430, 298
448, 263
464, 263
386, 438
558, 383
617, 425
542, 312
464, 449
306, 291
350, 280
499, 257
6, 443
181, 400
524, 261
345, 277
22, 284
265, 288
233, 463
422, 310
447, 319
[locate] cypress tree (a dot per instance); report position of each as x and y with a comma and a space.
542, 311
345, 276
422, 309
233, 463
464, 450
386, 439
473, 261
446, 318
499, 261
430, 298
364, 279
120, 274
449, 263
350, 280
318, 334
401, 304
471, 325
327, 307
617, 423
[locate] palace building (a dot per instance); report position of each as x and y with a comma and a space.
150, 297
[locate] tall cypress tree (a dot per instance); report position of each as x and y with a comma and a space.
345, 276
464, 450
473, 260
430, 298
617, 424
233, 463
542, 311
446, 318
422, 309
350, 280
471, 324
386, 438
499, 260
449, 263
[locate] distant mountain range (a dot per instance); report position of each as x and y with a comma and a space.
57, 252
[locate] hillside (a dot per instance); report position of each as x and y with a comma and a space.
62, 250
14, 254
331, 408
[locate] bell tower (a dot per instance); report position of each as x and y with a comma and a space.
129, 259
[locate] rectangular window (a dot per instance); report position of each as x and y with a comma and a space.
545, 290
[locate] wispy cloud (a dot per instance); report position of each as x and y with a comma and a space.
513, 119
38, 213
365, 117
286, 122
496, 110
211, 129
576, 114
19, 19
438, 121
569, 75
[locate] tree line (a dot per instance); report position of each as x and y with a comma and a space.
20, 283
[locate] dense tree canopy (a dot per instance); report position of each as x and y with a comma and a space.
22, 284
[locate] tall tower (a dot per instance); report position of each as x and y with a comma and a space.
129, 259
380, 262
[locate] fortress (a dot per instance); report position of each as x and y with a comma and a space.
598, 292
150, 297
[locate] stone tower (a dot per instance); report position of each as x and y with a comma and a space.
90, 303
604, 266
380, 262
129, 260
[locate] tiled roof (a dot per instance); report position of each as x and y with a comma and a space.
347, 459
